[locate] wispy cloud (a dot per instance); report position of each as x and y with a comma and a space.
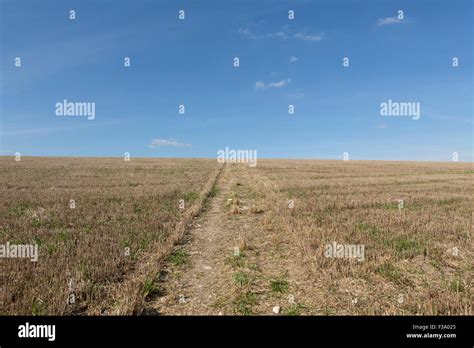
246, 32
167, 142
293, 59
389, 20
381, 126
252, 32
279, 34
306, 37
260, 85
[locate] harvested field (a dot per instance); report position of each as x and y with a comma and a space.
120, 213
414, 220
288, 237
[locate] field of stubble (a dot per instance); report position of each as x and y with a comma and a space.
418, 254
96, 248
414, 220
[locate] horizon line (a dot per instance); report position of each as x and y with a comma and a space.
263, 158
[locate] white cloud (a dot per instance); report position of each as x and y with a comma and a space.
246, 32
259, 85
306, 37
388, 20
167, 142
381, 126
293, 59
254, 32
262, 85
280, 34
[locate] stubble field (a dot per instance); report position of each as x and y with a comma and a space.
123, 211
128, 244
414, 220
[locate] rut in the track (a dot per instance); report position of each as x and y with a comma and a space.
213, 279
197, 286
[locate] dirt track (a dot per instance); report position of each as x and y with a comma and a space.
230, 255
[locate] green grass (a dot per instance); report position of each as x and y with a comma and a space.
150, 287
63, 234
244, 302
136, 208
456, 285
37, 223
390, 206
415, 205
295, 310
279, 285
214, 191
3, 232
18, 209
51, 249
38, 307
87, 228
144, 243
190, 197
241, 279
389, 271
170, 208
447, 201
38, 240
235, 261
178, 258
405, 246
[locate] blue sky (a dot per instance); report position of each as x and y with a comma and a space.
190, 62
